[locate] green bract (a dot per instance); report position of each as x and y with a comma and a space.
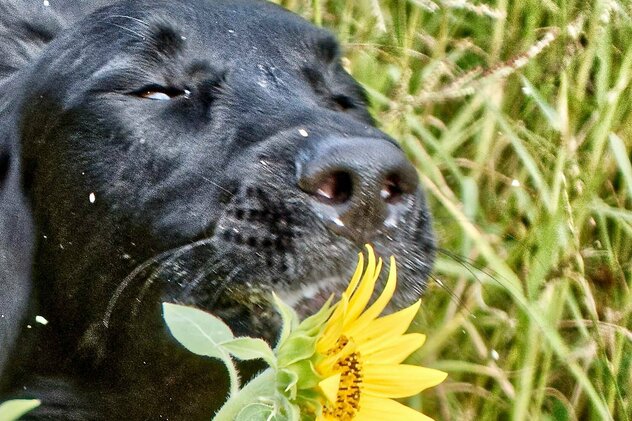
283, 392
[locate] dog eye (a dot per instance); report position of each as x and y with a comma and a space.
161, 93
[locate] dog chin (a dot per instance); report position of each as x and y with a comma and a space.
249, 310
312, 297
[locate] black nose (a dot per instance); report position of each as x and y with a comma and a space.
359, 186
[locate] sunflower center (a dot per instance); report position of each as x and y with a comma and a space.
341, 343
348, 397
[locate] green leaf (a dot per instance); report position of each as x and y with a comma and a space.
310, 403
289, 319
246, 348
256, 411
297, 347
314, 323
287, 381
621, 156
260, 389
289, 411
306, 373
14, 409
200, 332
549, 111
203, 334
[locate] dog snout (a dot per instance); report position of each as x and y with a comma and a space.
358, 186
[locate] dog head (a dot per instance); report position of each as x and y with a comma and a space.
205, 153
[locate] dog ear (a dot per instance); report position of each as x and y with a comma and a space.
16, 242
27, 26
25, 29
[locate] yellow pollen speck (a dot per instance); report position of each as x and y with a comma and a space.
349, 389
340, 344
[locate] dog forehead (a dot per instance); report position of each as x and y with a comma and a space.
231, 30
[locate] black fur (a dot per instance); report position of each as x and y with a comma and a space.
111, 202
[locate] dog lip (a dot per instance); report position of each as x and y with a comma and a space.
310, 298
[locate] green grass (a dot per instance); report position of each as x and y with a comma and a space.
518, 116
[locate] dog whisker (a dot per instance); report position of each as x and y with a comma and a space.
142, 22
138, 34
453, 296
201, 276
172, 253
469, 265
151, 279
222, 286
213, 268
219, 186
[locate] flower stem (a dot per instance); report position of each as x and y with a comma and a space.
232, 375
262, 385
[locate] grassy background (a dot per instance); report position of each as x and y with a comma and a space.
518, 115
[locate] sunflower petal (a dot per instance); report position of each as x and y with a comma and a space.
378, 409
326, 365
356, 275
387, 293
335, 324
394, 324
393, 350
398, 381
329, 386
364, 291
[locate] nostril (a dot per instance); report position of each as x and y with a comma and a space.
394, 188
335, 188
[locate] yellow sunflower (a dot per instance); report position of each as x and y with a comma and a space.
360, 353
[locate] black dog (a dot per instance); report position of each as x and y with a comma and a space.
202, 152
